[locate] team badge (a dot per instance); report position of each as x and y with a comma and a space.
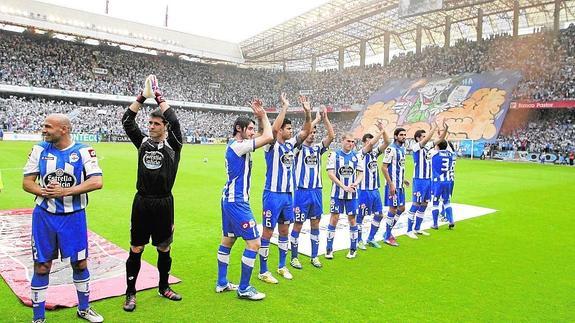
297, 210
74, 157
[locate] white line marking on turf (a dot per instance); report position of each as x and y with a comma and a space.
341, 240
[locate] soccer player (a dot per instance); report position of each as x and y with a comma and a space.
421, 181
153, 205
443, 215
394, 172
277, 197
66, 171
308, 194
345, 170
442, 180
237, 217
369, 196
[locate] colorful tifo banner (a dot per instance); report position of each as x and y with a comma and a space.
473, 105
564, 104
341, 240
106, 262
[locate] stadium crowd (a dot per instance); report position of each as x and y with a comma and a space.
19, 114
549, 132
36, 60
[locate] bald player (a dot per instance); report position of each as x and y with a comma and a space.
60, 173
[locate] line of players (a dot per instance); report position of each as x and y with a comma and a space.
293, 190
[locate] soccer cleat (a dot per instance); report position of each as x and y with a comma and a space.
296, 264
170, 294
284, 272
251, 293
90, 315
361, 245
227, 288
374, 244
412, 235
351, 254
329, 254
43, 320
391, 241
451, 226
267, 278
130, 303
316, 263
422, 233
434, 227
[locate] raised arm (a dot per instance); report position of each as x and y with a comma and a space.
129, 121
281, 116
266, 135
375, 140
175, 137
307, 124
443, 135
428, 138
330, 133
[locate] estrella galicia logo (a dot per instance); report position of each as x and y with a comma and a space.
60, 176
310, 160
153, 159
372, 166
345, 171
287, 159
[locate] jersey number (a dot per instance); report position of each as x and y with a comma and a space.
445, 165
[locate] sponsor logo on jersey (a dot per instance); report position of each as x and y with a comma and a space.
74, 157
310, 160
61, 177
92, 152
153, 159
345, 171
372, 166
287, 159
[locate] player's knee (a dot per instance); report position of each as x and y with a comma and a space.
79, 265
42, 268
163, 247
137, 249
254, 244
401, 209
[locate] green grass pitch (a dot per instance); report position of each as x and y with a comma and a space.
514, 265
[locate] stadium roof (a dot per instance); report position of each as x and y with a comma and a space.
345, 23
62, 20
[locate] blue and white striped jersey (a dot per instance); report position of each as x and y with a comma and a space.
394, 156
371, 177
239, 170
422, 165
308, 165
345, 166
441, 165
280, 162
69, 167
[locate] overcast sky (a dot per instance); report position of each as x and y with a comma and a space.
220, 19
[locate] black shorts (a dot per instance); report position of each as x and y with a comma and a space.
152, 217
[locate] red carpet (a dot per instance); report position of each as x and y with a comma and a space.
106, 262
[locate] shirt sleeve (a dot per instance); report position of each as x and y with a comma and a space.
175, 138
415, 147
388, 155
32, 166
360, 163
331, 161
244, 147
131, 128
90, 162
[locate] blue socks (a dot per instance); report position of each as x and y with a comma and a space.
389, 222
411, 217
330, 236
374, 226
314, 236
82, 283
39, 285
264, 253
435, 215
449, 213
248, 261
294, 240
359, 223
353, 236
223, 262
283, 246
419, 217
